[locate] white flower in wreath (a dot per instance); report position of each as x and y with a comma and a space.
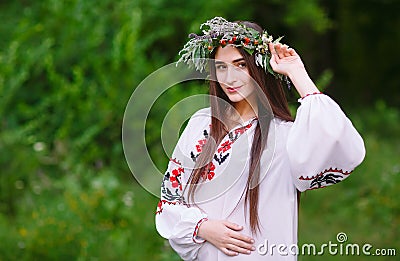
259, 59
266, 39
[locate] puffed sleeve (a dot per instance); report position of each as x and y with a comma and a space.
175, 220
323, 146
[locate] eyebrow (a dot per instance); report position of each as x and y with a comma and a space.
238, 60
234, 61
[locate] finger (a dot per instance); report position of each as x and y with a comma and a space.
237, 249
285, 50
229, 252
273, 62
242, 244
233, 226
271, 48
274, 57
292, 51
280, 50
241, 237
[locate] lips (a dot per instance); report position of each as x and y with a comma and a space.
233, 89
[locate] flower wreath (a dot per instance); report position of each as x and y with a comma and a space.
219, 32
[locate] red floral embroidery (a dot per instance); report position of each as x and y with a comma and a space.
163, 202
225, 146
175, 182
176, 161
200, 144
196, 230
176, 173
241, 130
210, 175
209, 172
159, 207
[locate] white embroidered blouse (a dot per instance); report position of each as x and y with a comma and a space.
320, 148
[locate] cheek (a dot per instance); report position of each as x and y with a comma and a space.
244, 76
248, 89
219, 76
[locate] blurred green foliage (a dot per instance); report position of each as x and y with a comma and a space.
68, 68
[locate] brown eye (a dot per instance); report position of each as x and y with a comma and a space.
221, 67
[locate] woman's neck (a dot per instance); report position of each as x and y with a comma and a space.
247, 109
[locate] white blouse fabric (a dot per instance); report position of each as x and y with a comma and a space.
320, 148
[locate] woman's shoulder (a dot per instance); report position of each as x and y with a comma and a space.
282, 127
203, 114
282, 123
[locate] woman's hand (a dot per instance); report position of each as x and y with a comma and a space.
224, 235
286, 61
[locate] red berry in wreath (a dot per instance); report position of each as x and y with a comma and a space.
210, 47
223, 42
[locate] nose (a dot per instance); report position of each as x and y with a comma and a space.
230, 77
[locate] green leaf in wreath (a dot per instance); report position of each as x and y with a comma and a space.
249, 51
278, 40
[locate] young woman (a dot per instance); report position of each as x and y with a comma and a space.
231, 188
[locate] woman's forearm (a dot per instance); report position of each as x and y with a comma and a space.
302, 82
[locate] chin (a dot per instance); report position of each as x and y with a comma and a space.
236, 99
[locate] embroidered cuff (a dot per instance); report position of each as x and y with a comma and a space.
325, 178
197, 239
314, 93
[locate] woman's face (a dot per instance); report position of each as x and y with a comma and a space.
232, 74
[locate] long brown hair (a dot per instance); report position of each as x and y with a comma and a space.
268, 87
